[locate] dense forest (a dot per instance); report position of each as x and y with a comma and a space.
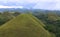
50, 19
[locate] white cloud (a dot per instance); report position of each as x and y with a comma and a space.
48, 4
1, 6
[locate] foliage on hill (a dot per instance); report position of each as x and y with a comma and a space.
24, 25
52, 22
6, 16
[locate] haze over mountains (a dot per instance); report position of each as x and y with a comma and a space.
35, 4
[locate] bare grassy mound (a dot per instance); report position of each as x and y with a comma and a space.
23, 26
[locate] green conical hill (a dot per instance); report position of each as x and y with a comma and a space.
24, 25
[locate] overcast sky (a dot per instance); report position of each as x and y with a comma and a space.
37, 4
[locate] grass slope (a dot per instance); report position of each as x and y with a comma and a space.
23, 26
37, 20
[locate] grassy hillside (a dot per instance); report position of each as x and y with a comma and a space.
23, 26
37, 20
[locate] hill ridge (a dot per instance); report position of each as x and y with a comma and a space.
23, 26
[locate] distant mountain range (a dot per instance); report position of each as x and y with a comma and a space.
26, 10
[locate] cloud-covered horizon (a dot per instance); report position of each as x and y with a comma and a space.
36, 4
